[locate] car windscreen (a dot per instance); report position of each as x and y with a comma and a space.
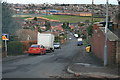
56, 43
34, 46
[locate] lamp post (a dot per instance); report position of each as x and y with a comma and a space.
105, 45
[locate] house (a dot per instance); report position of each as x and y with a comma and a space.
57, 28
26, 34
113, 43
72, 27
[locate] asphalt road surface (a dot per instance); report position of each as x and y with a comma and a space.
50, 65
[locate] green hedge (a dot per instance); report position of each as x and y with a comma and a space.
15, 48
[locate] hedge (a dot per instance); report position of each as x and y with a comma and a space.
27, 44
19, 47
15, 48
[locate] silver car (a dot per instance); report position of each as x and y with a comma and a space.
57, 45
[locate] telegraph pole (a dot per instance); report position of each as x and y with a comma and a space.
105, 45
92, 11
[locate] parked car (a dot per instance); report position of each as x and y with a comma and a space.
57, 45
70, 38
79, 42
76, 35
37, 49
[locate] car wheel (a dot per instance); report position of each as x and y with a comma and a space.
53, 50
30, 54
44, 52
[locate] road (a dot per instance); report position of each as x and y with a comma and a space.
43, 66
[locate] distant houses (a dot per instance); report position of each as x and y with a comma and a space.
80, 9
75, 14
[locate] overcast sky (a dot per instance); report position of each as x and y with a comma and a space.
61, 1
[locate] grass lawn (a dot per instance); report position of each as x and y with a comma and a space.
62, 18
70, 19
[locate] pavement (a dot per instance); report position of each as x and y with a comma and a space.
88, 65
9, 58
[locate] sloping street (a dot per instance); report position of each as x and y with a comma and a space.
42, 66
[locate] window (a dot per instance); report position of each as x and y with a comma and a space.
35, 46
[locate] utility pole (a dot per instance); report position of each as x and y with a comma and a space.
118, 9
118, 13
105, 45
92, 11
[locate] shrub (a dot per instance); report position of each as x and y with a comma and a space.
90, 30
27, 44
15, 48
57, 39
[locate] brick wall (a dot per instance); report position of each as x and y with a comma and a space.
98, 46
118, 52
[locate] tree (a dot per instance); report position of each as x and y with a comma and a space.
9, 25
66, 25
90, 30
35, 18
48, 25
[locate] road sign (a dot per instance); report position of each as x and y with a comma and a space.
5, 37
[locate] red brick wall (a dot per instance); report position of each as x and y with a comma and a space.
115, 27
111, 51
95, 26
97, 46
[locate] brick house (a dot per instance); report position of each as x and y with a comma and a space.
97, 44
57, 28
26, 34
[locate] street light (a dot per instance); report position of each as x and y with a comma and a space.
105, 45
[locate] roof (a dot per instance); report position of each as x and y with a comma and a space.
58, 27
72, 27
110, 35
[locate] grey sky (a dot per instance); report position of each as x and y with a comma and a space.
61, 1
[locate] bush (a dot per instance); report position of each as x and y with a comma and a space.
15, 48
90, 30
27, 44
57, 39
